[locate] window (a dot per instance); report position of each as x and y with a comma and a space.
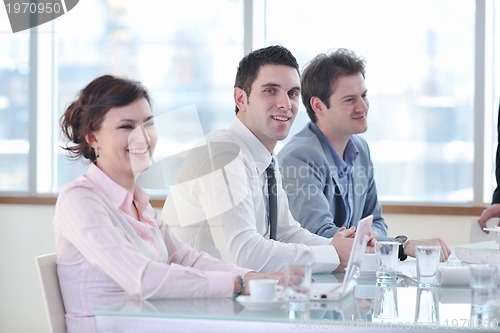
14, 108
420, 81
429, 76
181, 59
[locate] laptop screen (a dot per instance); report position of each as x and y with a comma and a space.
353, 268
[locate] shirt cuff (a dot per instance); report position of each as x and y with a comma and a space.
222, 283
326, 258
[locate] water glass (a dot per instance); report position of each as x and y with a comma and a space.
427, 307
427, 264
386, 253
298, 279
483, 282
386, 302
484, 318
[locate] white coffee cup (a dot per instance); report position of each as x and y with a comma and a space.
262, 290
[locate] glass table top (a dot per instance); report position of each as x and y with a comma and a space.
400, 305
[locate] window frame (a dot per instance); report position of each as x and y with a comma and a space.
42, 134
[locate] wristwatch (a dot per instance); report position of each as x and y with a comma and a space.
402, 240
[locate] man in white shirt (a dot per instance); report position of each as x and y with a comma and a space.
220, 204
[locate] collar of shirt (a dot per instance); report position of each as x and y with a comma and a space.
350, 152
344, 169
259, 152
116, 194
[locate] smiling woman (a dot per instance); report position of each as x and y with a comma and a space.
124, 144
111, 244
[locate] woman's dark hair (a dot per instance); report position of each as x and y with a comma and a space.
86, 114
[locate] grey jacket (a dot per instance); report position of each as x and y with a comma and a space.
310, 177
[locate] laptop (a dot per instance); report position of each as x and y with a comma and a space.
336, 291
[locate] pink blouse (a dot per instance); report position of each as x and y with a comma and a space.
106, 256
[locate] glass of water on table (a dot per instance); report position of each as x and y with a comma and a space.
297, 286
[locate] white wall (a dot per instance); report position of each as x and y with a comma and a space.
454, 230
26, 231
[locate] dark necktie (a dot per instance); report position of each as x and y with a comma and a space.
273, 201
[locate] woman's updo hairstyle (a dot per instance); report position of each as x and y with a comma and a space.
86, 114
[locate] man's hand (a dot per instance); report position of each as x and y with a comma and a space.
445, 250
372, 240
488, 213
343, 241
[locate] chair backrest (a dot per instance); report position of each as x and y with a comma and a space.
47, 272
478, 235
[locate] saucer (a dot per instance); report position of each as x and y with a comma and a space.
251, 304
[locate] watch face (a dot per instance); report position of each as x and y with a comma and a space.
401, 239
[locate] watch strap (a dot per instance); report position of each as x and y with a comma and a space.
401, 254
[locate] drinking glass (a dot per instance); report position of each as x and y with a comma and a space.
483, 282
427, 307
386, 253
427, 264
386, 302
297, 286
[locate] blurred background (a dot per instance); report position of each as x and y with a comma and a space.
432, 79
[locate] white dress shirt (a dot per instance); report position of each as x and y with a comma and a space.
219, 205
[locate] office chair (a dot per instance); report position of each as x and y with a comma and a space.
47, 272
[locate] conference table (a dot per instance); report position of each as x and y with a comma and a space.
371, 307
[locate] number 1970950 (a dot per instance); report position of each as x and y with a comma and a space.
34, 8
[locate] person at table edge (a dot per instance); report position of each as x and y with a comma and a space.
494, 209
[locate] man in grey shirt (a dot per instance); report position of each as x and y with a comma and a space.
326, 168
